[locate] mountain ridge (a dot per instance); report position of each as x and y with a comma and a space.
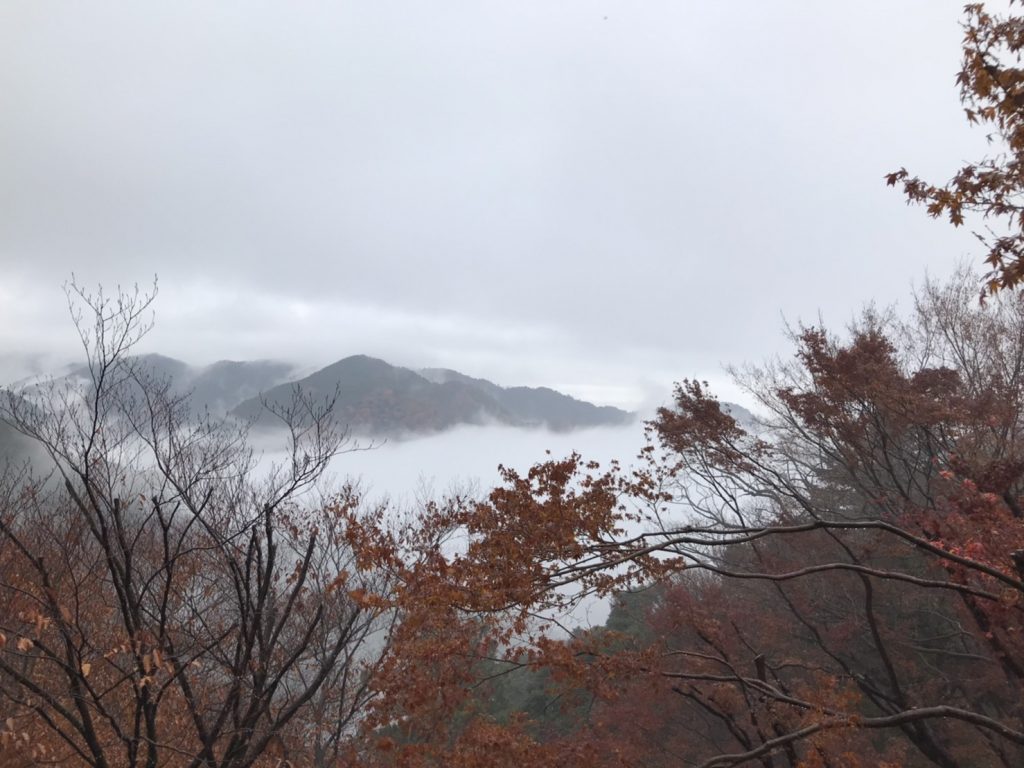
377, 397
371, 396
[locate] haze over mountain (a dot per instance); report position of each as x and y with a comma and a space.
376, 397
218, 387
372, 396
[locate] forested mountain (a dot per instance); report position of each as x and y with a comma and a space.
226, 383
376, 397
534, 405
218, 387
372, 396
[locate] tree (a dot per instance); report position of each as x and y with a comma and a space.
991, 82
838, 583
843, 580
165, 601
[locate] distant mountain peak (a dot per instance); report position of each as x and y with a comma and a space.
377, 397
374, 396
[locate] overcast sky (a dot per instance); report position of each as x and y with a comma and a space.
595, 195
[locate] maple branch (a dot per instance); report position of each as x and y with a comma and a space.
853, 721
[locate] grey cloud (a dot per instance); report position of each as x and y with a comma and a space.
524, 188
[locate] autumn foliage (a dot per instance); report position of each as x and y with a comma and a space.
991, 83
834, 581
838, 582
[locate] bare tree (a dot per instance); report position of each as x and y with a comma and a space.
165, 600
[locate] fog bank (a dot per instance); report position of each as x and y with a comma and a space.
468, 457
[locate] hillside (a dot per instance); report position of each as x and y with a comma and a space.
376, 397
371, 396
535, 406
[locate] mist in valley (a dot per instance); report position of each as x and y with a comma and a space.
466, 459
